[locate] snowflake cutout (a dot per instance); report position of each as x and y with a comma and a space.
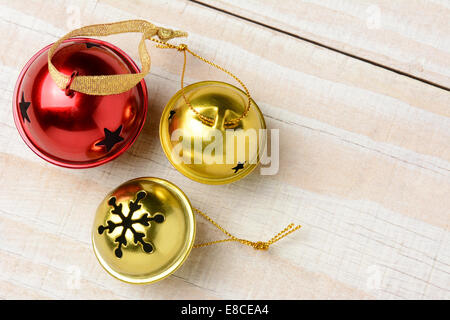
127, 223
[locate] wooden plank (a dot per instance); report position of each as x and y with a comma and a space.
364, 167
409, 36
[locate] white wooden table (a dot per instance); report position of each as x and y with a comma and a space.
360, 93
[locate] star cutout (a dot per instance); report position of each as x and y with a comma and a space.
238, 167
171, 114
111, 138
24, 105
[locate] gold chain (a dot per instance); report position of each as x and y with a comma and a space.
207, 120
259, 245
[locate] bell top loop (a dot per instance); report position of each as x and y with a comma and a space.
69, 92
110, 84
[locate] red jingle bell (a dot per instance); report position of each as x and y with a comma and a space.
73, 129
81, 102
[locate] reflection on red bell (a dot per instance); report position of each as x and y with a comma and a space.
73, 129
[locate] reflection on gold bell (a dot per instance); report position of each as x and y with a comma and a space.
143, 230
203, 141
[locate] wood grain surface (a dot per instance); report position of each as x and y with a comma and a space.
409, 36
364, 120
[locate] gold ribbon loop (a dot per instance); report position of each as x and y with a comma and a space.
111, 84
259, 245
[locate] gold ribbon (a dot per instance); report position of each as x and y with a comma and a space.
110, 84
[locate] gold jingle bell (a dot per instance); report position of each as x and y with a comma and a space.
143, 230
201, 139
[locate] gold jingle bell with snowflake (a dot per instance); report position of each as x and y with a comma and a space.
211, 131
145, 229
